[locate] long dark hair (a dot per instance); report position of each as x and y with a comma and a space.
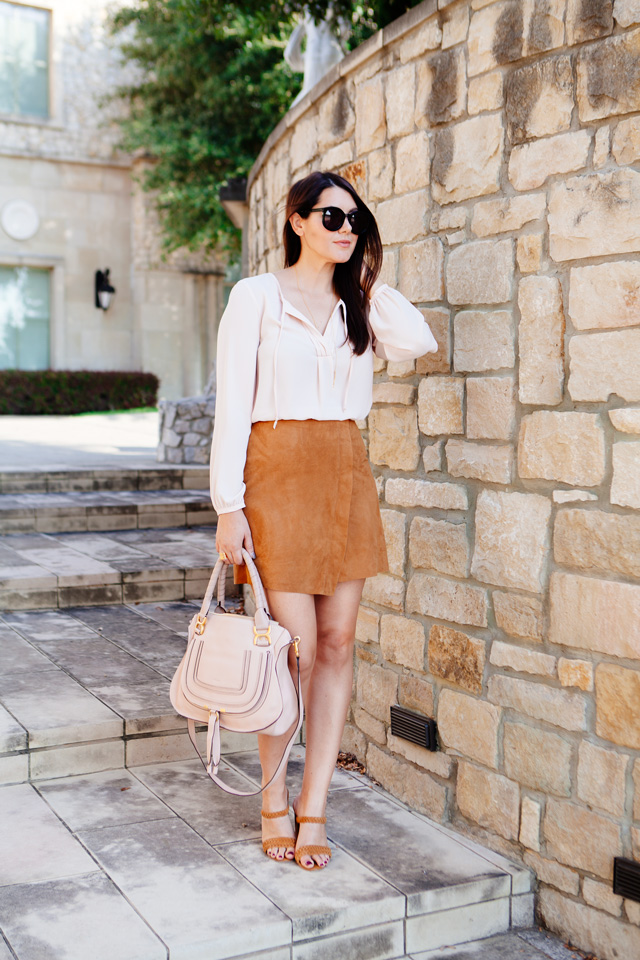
352, 281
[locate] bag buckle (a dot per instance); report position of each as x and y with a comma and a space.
200, 624
262, 635
296, 646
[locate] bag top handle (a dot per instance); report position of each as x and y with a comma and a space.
262, 614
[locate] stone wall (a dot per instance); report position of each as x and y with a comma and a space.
498, 142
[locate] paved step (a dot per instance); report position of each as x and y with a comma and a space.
55, 480
39, 570
104, 510
87, 689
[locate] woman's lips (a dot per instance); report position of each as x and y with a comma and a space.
343, 243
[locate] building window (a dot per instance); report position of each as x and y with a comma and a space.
24, 60
24, 318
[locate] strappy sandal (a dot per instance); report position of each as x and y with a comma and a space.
273, 842
311, 850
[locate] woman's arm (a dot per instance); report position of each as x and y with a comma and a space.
400, 330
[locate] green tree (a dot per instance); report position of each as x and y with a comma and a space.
211, 85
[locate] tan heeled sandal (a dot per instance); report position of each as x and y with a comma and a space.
273, 842
312, 849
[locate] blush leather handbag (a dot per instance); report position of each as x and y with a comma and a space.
235, 674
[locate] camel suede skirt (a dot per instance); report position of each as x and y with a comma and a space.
312, 506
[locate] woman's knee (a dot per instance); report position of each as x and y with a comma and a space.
335, 646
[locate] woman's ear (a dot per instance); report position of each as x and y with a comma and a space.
296, 224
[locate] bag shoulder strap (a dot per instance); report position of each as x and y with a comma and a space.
252, 793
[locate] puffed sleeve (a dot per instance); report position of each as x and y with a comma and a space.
236, 366
401, 331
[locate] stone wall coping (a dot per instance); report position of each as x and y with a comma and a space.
363, 52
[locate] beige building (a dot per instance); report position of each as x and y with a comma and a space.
69, 207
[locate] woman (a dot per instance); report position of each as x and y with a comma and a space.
290, 479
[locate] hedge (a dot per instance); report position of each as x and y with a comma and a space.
75, 391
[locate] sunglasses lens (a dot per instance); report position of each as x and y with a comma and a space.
333, 218
359, 221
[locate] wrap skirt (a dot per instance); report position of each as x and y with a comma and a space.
312, 506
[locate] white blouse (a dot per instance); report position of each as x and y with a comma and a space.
273, 363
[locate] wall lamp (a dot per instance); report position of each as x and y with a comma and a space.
104, 290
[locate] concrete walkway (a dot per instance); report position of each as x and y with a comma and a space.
88, 441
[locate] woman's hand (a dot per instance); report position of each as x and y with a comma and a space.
232, 534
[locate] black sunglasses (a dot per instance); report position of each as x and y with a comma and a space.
334, 217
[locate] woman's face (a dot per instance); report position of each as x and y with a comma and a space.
334, 246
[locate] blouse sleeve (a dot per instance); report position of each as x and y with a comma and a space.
236, 367
401, 331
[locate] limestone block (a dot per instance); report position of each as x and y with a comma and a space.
367, 625
595, 215
467, 159
491, 408
608, 77
393, 437
400, 94
541, 340
336, 118
512, 29
501, 216
438, 763
304, 142
469, 726
597, 542
592, 929
532, 163
492, 463
522, 660
519, 616
572, 496
598, 615
439, 324
387, 392
537, 700
601, 778
428, 36
373, 729
371, 125
481, 272
605, 295
485, 93
402, 219
402, 641
439, 545
539, 99
636, 784
442, 88
416, 694
530, 823
567, 446
457, 658
394, 523
581, 838
380, 181
449, 218
529, 252
626, 420
537, 759
588, 20
488, 799
384, 590
627, 12
432, 456
483, 340
401, 368
575, 673
602, 364
440, 402
421, 270
512, 531
551, 872
455, 24
626, 141
376, 689
625, 486
426, 493
601, 147
446, 600
417, 788
599, 895
412, 163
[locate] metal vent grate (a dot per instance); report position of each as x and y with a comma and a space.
413, 727
626, 878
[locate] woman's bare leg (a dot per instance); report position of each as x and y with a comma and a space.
327, 703
296, 612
